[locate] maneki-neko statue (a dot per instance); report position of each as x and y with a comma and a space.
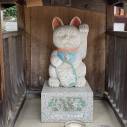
67, 95
67, 68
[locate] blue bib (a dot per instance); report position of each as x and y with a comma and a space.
69, 56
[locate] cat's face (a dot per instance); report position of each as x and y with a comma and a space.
67, 37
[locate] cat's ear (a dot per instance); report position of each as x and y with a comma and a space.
76, 21
57, 22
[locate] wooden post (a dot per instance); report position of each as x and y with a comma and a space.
109, 17
2, 81
0, 57
109, 27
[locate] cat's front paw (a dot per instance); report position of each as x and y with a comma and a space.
81, 82
53, 82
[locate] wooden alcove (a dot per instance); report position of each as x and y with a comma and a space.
25, 54
38, 20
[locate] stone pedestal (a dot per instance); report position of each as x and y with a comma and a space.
64, 104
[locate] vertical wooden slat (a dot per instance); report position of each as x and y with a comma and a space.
25, 36
28, 46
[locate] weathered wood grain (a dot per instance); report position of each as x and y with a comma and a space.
14, 87
32, 3
13, 66
117, 71
93, 5
12, 74
109, 17
28, 47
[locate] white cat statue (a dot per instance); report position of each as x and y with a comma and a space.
66, 68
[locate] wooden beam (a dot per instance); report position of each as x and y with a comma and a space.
8, 3
32, 3
92, 5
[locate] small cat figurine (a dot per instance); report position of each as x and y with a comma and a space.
66, 68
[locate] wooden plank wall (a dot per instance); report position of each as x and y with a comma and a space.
39, 44
14, 87
12, 81
117, 72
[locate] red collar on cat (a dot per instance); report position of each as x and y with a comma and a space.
67, 49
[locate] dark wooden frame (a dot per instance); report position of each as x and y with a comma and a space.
116, 70
88, 5
12, 84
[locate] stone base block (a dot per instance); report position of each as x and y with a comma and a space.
65, 104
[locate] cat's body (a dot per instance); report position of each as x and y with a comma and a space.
67, 68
